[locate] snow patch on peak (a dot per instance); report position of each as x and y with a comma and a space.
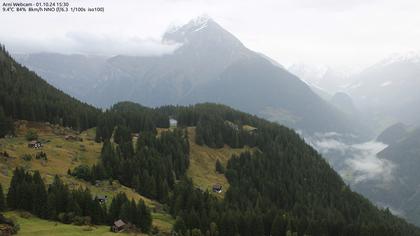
200, 21
194, 25
201, 27
197, 24
411, 56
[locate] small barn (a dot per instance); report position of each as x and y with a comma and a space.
173, 123
118, 226
102, 199
217, 188
34, 144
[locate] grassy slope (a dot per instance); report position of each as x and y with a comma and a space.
203, 161
36, 226
62, 155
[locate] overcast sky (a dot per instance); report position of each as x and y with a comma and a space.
321, 32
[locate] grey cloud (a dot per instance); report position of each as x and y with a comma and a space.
334, 4
97, 44
94, 44
327, 145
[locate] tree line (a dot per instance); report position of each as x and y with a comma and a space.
131, 115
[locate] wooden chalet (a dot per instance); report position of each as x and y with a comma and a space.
34, 144
118, 226
217, 188
101, 199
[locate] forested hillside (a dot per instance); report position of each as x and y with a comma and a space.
283, 187
26, 96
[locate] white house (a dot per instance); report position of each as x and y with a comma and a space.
173, 123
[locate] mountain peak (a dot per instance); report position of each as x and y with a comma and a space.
193, 25
202, 30
200, 21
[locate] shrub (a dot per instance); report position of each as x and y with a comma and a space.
82, 220
27, 157
82, 172
5, 154
31, 134
66, 218
16, 228
41, 155
25, 214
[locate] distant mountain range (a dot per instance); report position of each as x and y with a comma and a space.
211, 65
388, 90
384, 93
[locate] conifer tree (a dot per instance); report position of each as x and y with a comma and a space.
219, 167
2, 200
40, 197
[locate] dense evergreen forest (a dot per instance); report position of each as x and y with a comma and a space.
131, 115
152, 168
57, 202
26, 96
283, 187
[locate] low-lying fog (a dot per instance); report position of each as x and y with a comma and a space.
356, 162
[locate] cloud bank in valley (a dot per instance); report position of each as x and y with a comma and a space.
365, 165
355, 162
